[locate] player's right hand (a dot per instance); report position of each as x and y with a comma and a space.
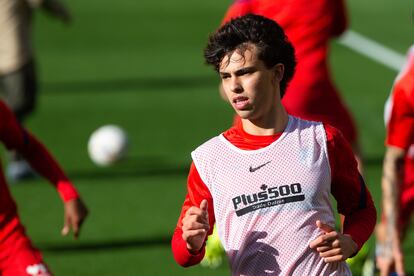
74, 216
196, 226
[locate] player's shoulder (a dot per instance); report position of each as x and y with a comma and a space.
404, 84
333, 135
209, 144
296, 122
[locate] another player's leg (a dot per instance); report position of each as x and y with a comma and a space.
19, 90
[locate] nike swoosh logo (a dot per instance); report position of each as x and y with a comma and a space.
251, 169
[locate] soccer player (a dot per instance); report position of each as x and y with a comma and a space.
398, 172
18, 256
310, 26
267, 182
18, 79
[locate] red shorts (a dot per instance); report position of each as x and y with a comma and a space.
18, 257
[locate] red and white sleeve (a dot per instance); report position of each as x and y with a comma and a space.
196, 192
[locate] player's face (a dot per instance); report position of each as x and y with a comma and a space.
251, 88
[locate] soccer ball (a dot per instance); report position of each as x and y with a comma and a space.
107, 145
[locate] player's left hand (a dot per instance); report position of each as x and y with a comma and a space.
332, 245
75, 214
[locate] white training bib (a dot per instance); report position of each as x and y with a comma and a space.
267, 201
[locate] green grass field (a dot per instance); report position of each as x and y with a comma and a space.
139, 64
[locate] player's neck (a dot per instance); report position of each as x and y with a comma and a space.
269, 125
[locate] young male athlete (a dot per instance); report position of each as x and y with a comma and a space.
267, 181
398, 172
310, 26
18, 257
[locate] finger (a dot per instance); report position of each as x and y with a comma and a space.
194, 211
331, 253
399, 267
333, 259
323, 240
65, 229
323, 248
187, 235
323, 226
194, 225
204, 208
204, 205
385, 270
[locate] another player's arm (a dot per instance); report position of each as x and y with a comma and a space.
392, 177
400, 134
195, 222
15, 137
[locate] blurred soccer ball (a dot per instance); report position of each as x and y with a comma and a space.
107, 145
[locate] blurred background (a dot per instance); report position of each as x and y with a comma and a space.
139, 64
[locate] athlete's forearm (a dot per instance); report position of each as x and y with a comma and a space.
392, 177
180, 252
43, 162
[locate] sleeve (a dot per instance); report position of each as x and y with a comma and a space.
340, 17
238, 8
400, 128
354, 200
196, 192
17, 138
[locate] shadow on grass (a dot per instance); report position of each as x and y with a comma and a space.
133, 167
106, 245
373, 160
157, 83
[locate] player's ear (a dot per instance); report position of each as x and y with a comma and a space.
278, 70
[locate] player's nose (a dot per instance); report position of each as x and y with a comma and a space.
235, 85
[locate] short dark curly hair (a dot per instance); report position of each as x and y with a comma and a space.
269, 38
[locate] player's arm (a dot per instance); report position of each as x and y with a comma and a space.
15, 137
390, 232
195, 222
400, 134
354, 201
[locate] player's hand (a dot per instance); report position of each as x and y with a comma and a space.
386, 265
75, 214
332, 245
58, 10
195, 226
389, 259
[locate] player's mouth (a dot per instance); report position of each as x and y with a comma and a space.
240, 102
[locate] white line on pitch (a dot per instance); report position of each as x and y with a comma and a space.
372, 50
